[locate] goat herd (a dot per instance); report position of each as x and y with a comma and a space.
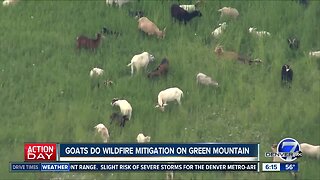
183, 14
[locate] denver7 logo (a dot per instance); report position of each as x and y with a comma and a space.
289, 149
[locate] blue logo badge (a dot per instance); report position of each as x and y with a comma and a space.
289, 149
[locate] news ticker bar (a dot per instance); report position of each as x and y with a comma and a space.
84, 167
143, 152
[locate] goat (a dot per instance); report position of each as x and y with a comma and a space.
9, 2
315, 54
136, 14
118, 117
140, 61
167, 95
103, 131
310, 150
147, 26
162, 69
125, 107
206, 80
96, 72
108, 82
117, 2
229, 12
254, 31
219, 51
218, 31
87, 43
286, 74
293, 43
182, 15
143, 139
109, 32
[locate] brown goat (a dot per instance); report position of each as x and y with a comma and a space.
162, 69
87, 43
230, 55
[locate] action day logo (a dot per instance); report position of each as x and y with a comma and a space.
288, 150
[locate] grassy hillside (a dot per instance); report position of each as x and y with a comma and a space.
47, 96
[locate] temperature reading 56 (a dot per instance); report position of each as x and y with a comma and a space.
290, 166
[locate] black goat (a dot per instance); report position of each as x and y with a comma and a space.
109, 32
293, 43
286, 74
136, 14
182, 15
119, 117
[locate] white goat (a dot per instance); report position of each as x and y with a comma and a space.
125, 107
253, 30
310, 150
218, 31
9, 2
143, 139
229, 11
147, 26
168, 95
103, 131
314, 54
140, 61
206, 80
117, 2
96, 72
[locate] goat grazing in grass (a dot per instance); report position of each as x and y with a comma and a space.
293, 43
162, 69
87, 43
125, 107
182, 15
168, 95
103, 132
206, 80
218, 31
147, 26
315, 54
229, 12
230, 55
140, 61
310, 150
142, 138
254, 31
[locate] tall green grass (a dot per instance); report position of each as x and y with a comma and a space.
47, 95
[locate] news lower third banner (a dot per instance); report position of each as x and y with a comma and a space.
90, 166
197, 152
